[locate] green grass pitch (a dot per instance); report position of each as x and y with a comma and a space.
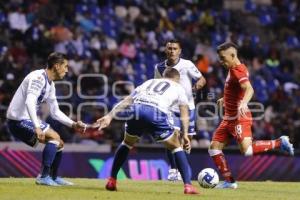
90, 189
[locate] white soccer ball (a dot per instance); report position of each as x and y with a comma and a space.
208, 178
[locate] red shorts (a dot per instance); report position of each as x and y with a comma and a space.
232, 128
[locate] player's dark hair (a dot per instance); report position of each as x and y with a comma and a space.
225, 46
171, 73
174, 41
55, 58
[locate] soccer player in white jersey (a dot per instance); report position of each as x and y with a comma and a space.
149, 107
24, 124
188, 73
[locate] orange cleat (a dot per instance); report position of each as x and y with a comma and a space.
189, 189
111, 184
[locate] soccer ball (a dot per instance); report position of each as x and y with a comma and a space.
208, 178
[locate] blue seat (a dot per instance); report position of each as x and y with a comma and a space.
250, 6
292, 42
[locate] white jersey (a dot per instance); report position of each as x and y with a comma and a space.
38, 88
188, 72
160, 93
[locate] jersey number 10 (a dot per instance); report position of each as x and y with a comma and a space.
159, 87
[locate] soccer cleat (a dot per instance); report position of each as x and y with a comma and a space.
61, 181
111, 184
174, 175
189, 189
227, 185
286, 145
45, 181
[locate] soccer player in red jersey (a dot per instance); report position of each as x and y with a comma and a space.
237, 120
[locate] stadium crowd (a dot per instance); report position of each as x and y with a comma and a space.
123, 39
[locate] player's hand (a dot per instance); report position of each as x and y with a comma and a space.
186, 143
243, 109
79, 126
220, 102
103, 122
40, 135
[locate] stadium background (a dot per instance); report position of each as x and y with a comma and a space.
119, 41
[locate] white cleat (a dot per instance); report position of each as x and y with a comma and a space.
61, 181
286, 145
227, 185
174, 175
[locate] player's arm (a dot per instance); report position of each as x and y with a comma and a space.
201, 82
34, 89
30, 103
184, 117
196, 75
58, 115
220, 102
243, 107
121, 106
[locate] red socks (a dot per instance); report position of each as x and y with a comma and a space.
264, 145
222, 165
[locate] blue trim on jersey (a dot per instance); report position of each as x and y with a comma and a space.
43, 92
166, 63
24, 130
161, 68
163, 65
191, 128
46, 77
149, 120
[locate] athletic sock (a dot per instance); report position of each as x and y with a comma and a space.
221, 163
55, 164
171, 159
48, 157
119, 159
188, 160
260, 146
182, 164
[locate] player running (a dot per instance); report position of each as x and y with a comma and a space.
237, 120
24, 124
188, 73
149, 105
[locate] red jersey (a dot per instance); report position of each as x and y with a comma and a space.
233, 93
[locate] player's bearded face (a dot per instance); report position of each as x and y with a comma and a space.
61, 70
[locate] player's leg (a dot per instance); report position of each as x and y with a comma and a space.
249, 147
24, 131
191, 133
173, 144
55, 166
219, 141
173, 174
119, 159
57, 160
52, 141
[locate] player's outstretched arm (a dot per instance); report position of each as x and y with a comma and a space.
105, 121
